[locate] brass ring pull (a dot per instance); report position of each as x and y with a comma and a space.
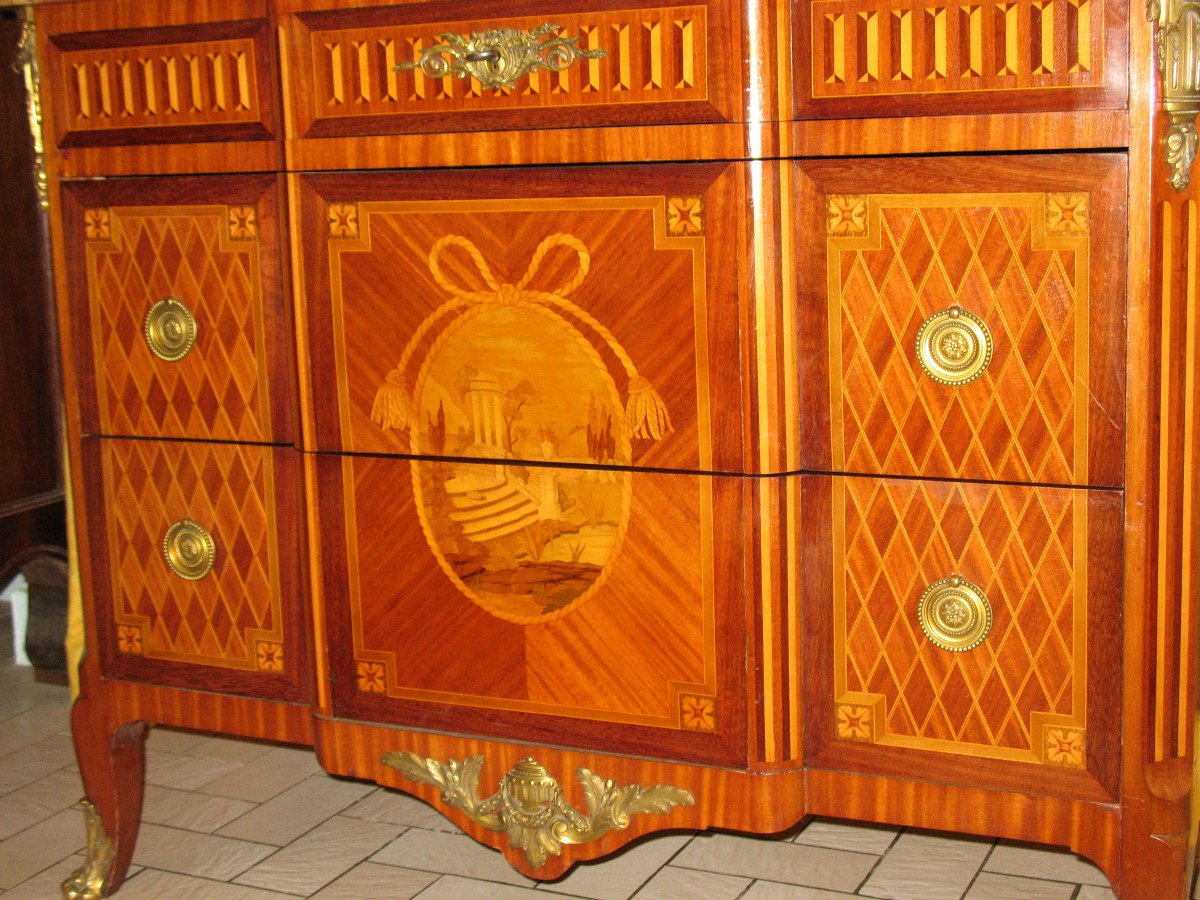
954, 614
189, 549
497, 58
954, 347
170, 329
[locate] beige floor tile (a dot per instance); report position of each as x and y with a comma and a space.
190, 810
383, 805
1094, 892
367, 880
990, 886
50, 841
672, 883
454, 887
183, 773
232, 749
780, 861
906, 873
172, 740
35, 761
773, 890
301, 808
191, 853
619, 876
154, 884
1050, 863
316, 859
29, 727
454, 854
47, 883
837, 834
39, 800
267, 775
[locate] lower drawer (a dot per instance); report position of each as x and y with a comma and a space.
579, 607
964, 632
195, 565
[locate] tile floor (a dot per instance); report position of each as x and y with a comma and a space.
238, 820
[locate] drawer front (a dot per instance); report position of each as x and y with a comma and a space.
964, 318
550, 315
222, 613
178, 84
858, 58
179, 321
898, 686
567, 606
604, 64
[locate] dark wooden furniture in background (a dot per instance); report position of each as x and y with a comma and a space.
733, 418
32, 515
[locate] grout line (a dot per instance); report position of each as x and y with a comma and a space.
665, 865
979, 869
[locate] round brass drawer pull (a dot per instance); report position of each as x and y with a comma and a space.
954, 346
189, 549
170, 329
955, 614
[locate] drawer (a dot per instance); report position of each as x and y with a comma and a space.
963, 318
566, 606
201, 82
857, 58
195, 565
576, 316
599, 63
963, 632
180, 325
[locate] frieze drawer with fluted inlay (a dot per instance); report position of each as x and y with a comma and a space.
967, 318
198, 557
435, 67
577, 316
180, 328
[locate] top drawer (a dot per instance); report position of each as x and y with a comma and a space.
855, 58
599, 63
176, 84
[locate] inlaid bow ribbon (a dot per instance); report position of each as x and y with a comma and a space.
646, 414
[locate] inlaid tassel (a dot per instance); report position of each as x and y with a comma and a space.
393, 407
645, 412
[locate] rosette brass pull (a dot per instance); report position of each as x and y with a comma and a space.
189, 549
170, 329
954, 346
497, 58
954, 614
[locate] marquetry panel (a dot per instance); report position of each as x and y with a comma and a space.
220, 261
234, 628
1030, 692
656, 63
202, 83
550, 316
574, 606
1036, 272
1028, 53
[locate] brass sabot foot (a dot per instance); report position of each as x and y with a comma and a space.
89, 880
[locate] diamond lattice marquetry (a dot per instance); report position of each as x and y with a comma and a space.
1022, 420
216, 391
1013, 542
219, 619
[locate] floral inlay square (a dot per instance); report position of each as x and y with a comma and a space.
1067, 213
129, 639
243, 223
97, 225
371, 678
685, 215
343, 220
847, 216
698, 713
855, 723
269, 656
1066, 747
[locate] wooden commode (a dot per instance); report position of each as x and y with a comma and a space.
596, 416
